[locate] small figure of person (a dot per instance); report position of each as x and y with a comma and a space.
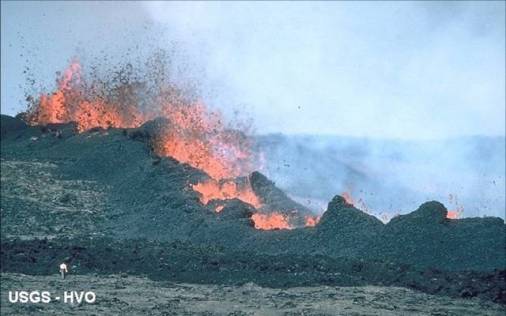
63, 269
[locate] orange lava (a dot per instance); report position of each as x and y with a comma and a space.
226, 190
452, 214
68, 104
348, 198
198, 137
193, 134
311, 221
270, 221
457, 208
359, 204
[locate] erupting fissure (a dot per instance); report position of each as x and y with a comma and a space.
194, 134
271, 221
311, 221
68, 104
360, 203
458, 209
226, 190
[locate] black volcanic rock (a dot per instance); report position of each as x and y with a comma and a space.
11, 124
426, 237
61, 130
148, 130
15, 127
235, 209
431, 212
126, 196
274, 197
343, 216
345, 229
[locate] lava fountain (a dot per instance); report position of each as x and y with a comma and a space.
195, 135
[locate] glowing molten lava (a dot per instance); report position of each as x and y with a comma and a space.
360, 204
70, 104
193, 134
452, 214
347, 197
457, 208
226, 190
198, 137
311, 221
270, 221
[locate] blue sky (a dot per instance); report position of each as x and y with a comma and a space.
411, 70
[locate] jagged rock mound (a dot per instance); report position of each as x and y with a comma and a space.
234, 209
431, 212
426, 237
11, 124
64, 130
16, 127
345, 230
148, 130
274, 197
341, 216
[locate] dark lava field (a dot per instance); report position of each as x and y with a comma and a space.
104, 202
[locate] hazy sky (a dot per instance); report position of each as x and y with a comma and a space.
379, 69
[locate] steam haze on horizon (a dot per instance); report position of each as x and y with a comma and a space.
410, 70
